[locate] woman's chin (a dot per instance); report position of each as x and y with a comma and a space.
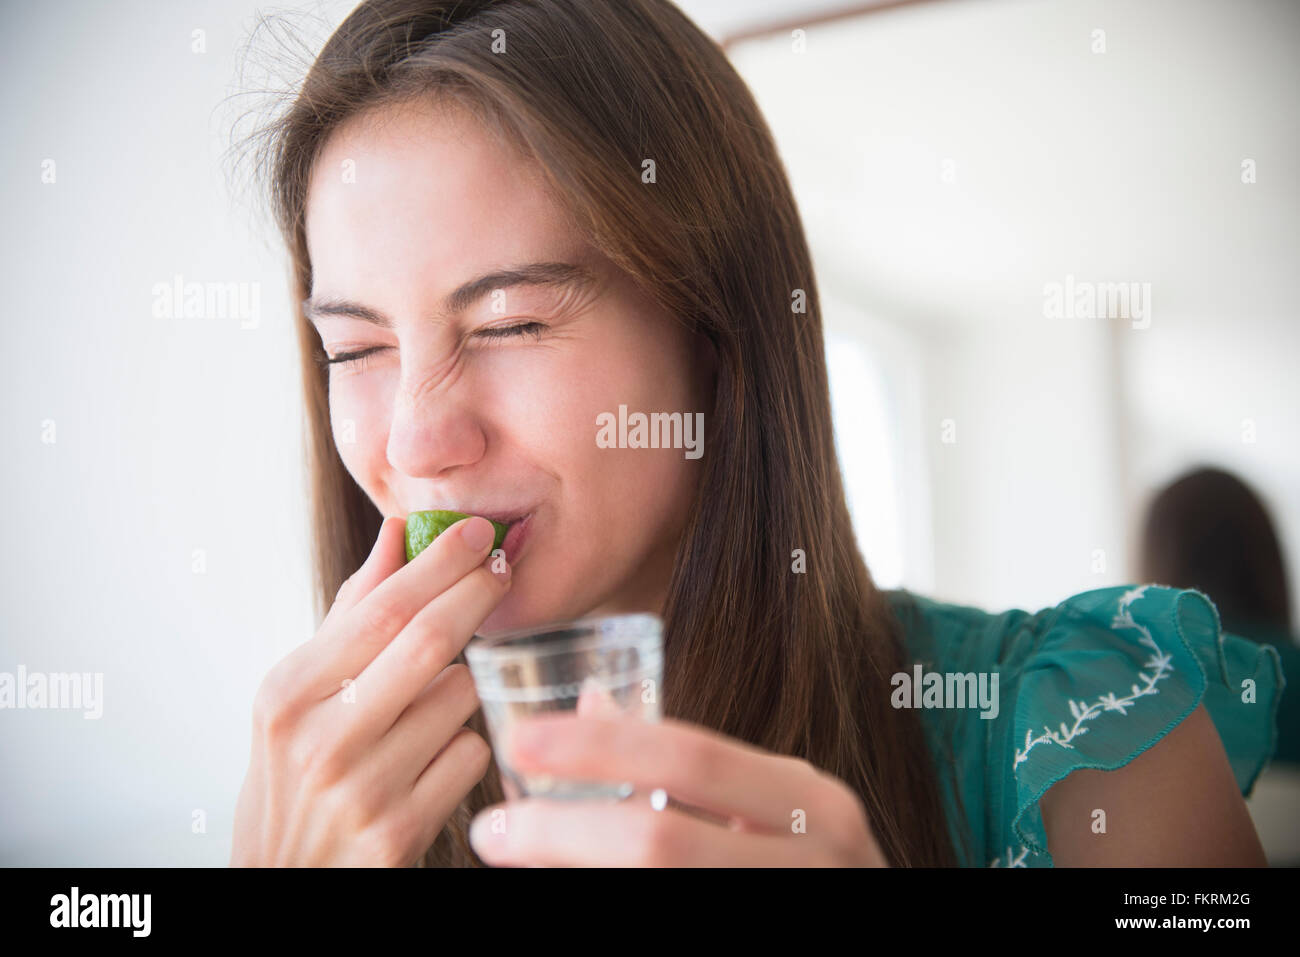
522, 608
502, 618
515, 611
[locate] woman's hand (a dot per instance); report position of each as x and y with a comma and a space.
359, 755
745, 806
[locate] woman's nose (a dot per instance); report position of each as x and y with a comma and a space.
432, 429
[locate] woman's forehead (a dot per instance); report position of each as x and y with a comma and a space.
417, 193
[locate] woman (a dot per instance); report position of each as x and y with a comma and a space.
1209, 531
507, 219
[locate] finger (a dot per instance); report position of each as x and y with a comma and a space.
426, 646
386, 556
444, 783
548, 833
595, 702
422, 731
355, 638
297, 677
698, 767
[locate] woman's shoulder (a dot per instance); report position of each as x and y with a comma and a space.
1090, 682
1140, 615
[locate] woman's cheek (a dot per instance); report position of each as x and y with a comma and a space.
540, 403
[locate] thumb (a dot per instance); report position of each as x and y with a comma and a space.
595, 702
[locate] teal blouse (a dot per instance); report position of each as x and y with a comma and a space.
1090, 683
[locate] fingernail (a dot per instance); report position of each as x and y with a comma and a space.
477, 533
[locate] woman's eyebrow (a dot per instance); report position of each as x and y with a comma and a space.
462, 297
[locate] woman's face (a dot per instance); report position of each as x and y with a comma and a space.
489, 336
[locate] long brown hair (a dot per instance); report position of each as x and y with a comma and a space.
1209, 531
799, 664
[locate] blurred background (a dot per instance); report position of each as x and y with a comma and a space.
963, 167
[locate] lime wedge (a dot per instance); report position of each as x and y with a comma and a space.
423, 527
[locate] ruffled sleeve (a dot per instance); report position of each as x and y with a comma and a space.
1095, 681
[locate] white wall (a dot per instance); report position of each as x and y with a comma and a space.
170, 436
950, 159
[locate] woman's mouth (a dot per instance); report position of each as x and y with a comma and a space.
516, 538
518, 524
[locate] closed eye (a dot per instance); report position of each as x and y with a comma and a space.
518, 330
352, 356
531, 328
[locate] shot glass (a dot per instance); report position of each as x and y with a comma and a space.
609, 666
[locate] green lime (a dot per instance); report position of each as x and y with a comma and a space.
423, 527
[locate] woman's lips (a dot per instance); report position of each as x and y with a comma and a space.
516, 538
518, 520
